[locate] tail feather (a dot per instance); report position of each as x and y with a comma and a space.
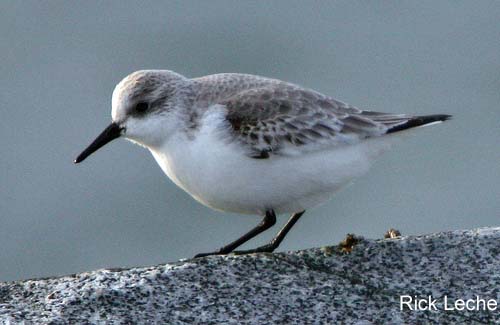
417, 121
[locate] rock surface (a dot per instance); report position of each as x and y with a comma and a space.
327, 285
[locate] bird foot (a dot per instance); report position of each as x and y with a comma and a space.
269, 248
221, 251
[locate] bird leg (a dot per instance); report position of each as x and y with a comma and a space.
273, 244
266, 223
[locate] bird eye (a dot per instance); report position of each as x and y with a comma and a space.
141, 107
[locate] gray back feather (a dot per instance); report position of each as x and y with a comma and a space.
267, 115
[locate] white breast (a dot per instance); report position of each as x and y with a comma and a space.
219, 174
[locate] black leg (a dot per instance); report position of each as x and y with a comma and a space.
266, 223
269, 248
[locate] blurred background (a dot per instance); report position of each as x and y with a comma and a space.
61, 60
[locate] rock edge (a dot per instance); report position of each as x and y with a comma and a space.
319, 285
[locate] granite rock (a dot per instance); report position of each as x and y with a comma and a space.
329, 285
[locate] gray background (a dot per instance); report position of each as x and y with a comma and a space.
60, 62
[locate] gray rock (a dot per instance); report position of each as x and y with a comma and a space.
320, 285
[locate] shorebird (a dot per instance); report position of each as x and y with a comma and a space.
249, 144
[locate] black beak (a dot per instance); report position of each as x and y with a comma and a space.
112, 132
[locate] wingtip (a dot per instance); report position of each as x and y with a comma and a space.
445, 117
419, 121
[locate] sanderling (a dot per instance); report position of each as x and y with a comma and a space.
249, 144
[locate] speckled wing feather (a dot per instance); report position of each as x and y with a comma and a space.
282, 116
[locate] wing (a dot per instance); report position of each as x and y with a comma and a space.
282, 117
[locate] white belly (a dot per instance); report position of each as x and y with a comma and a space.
221, 176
